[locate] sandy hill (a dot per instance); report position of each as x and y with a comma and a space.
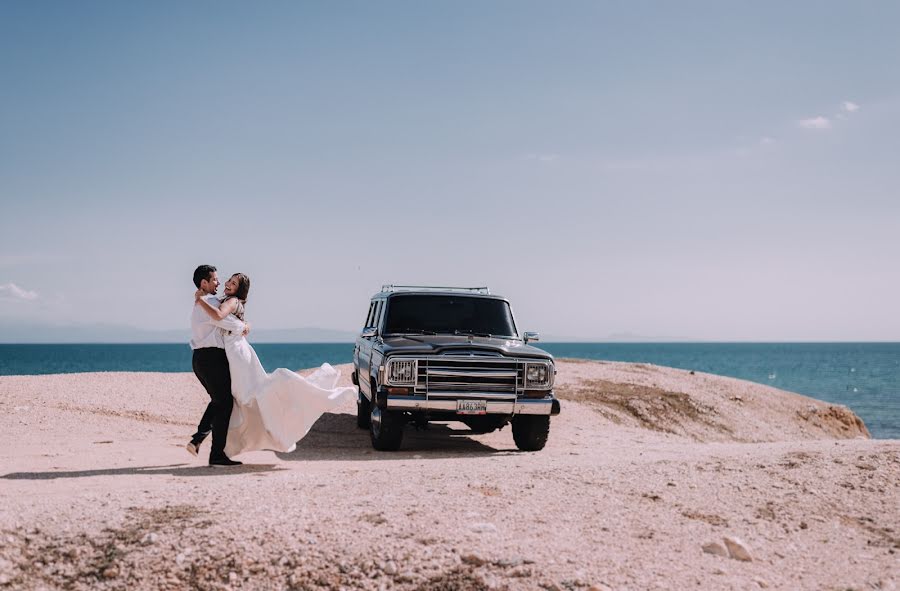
653, 478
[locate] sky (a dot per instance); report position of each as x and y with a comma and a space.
721, 171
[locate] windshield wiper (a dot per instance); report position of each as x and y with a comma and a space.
413, 331
473, 333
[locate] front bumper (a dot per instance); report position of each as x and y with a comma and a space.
520, 406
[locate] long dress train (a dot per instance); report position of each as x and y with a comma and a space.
274, 411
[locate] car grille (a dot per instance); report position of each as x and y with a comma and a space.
469, 376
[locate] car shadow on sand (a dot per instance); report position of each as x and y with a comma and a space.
170, 470
336, 437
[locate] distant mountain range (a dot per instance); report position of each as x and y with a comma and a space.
618, 337
18, 332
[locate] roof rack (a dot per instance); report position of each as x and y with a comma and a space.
393, 288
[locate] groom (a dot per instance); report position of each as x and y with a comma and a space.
211, 367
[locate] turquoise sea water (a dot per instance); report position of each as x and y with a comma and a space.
863, 376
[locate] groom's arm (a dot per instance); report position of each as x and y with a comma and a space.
221, 316
230, 323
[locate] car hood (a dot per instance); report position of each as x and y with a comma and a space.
459, 345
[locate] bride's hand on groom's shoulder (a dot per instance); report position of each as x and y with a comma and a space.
197, 295
246, 328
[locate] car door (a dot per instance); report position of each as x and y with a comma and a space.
364, 352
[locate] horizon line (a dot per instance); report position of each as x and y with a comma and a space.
580, 342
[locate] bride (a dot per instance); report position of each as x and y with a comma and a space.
271, 411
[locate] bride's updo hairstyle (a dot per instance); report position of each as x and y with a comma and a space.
243, 288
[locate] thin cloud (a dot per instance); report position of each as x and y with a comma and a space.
542, 157
12, 291
766, 141
10, 260
626, 165
850, 107
815, 123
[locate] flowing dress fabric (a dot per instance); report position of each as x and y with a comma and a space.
274, 411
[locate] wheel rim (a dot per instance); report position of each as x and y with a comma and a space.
375, 418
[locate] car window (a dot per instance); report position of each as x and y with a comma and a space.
449, 315
376, 318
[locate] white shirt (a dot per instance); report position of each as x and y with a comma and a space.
205, 331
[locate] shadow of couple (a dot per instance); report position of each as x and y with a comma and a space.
334, 437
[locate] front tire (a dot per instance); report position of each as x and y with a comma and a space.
386, 428
530, 431
363, 411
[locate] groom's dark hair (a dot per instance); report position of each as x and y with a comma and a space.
202, 272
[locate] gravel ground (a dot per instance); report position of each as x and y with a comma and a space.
653, 478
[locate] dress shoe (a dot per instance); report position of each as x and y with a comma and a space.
223, 462
193, 448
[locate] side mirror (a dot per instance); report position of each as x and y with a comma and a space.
532, 336
368, 332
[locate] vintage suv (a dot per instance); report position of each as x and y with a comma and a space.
450, 354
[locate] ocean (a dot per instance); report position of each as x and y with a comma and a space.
862, 376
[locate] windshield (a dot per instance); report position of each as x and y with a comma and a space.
447, 314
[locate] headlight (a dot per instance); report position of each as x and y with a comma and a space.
402, 372
537, 375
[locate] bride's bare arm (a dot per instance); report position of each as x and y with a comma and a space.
220, 313
223, 316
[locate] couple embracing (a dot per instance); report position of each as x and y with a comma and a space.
249, 409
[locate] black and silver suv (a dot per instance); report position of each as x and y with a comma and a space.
450, 354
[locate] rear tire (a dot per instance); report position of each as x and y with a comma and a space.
386, 428
363, 411
530, 431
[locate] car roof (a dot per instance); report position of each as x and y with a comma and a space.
486, 296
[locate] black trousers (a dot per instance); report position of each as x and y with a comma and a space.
211, 368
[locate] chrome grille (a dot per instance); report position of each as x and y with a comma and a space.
476, 377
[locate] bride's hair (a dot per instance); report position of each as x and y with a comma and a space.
243, 290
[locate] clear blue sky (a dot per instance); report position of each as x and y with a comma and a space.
708, 170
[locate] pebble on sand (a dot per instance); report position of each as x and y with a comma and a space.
737, 549
391, 568
484, 528
473, 559
715, 548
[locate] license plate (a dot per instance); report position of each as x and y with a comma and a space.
471, 407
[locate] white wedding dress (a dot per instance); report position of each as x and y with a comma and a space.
274, 411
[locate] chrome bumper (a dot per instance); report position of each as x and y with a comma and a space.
522, 406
